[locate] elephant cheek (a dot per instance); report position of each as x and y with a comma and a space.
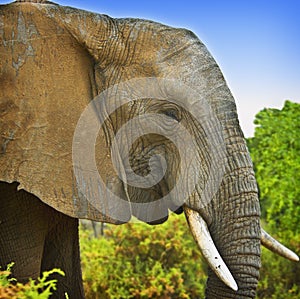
98, 184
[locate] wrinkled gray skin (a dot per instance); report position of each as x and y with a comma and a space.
38, 238
48, 238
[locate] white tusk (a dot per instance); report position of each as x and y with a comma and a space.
273, 245
202, 236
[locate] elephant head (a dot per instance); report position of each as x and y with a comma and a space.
106, 119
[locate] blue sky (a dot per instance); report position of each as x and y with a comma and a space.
256, 43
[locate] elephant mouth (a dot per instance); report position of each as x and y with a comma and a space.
152, 205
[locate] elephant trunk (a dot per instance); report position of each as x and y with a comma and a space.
237, 235
236, 211
235, 227
239, 246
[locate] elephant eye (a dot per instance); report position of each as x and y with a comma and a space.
173, 113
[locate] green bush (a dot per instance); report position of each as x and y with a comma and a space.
275, 150
279, 278
35, 289
143, 261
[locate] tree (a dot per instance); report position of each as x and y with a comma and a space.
275, 150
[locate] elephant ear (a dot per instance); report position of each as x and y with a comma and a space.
47, 79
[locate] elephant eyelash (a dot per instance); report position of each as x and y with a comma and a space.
173, 114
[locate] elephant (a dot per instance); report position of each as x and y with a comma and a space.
113, 120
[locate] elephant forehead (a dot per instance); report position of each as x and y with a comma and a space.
45, 84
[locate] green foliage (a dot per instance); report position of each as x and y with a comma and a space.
275, 150
5, 279
35, 289
142, 261
279, 278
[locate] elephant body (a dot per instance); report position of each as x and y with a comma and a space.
70, 79
38, 238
